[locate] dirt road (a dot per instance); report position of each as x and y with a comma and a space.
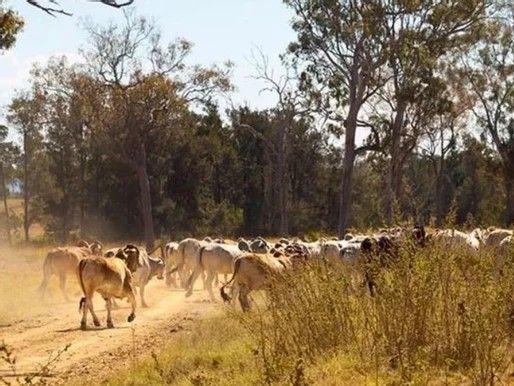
39, 338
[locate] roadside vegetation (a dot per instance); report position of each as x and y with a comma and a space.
439, 317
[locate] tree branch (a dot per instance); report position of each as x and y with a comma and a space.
53, 11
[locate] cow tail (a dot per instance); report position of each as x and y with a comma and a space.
82, 302
46, 272
226, 297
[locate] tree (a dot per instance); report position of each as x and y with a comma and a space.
418, 35
146, 90
488, 73
340, 49
25, 114
9, 152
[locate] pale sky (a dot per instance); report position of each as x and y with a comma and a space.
220, 30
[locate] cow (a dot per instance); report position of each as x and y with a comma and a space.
213, 259
170, 261
243, 245
496, 236
378, 252
455, 238
111, 278
251, 273
506, 245
62, 261
187, 257
259, 245
147, 267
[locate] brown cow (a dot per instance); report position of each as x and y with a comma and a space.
251, 273
63, 261
111, 278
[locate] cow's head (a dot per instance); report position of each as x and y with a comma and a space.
120, 254
419, 235
259, 245
83, 244
96, 247
243, 245
134, 259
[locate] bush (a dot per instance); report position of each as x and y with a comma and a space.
435, 310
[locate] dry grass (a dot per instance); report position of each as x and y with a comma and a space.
217, 351
439, 314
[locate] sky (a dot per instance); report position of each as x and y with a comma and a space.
220, 30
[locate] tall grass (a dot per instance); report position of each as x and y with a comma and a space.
436, 310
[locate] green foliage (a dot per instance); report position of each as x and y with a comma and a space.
221, 218
11, 25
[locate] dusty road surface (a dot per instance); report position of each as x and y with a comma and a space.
37, 339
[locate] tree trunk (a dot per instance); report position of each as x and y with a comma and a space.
82, 194
357, 87
6, 208
146, 201
394, 172
26, 195
439, 209
347, 181
282, 190
509, 196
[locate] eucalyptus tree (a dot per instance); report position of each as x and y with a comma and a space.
146, 90
340, 53
487, 73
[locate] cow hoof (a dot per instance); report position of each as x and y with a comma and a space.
131, 318
109, 324
96, 323
188, 294
144, 305
83, 326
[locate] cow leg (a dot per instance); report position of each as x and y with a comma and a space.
191, 281
44, 285
204, 280
108, 306
234, 292
62, 285
183, 278
208, 281
142, 295
243, 298
89, 302
114, 304
132, 300
216, 280
84, 308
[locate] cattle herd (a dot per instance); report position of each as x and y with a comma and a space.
115, 273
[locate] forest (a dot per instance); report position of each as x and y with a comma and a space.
386, 112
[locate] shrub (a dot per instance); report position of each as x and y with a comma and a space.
435, 309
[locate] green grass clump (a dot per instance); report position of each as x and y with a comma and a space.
217, 351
